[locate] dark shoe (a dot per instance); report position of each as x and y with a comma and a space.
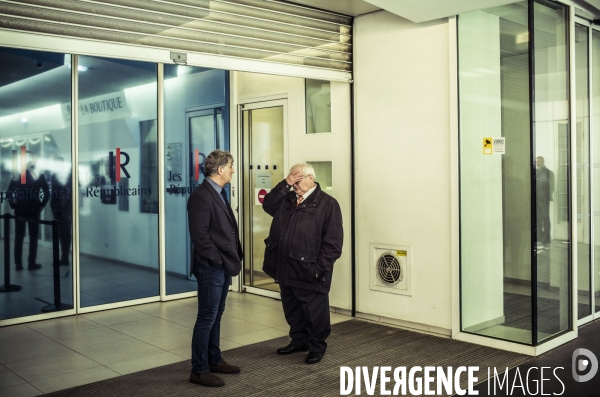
224, 368
289, 349
64, 262
314, 358
206, 379
18, 267
35, 266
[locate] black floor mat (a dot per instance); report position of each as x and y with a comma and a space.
352, 343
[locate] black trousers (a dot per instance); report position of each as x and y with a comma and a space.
33, 225
307, 314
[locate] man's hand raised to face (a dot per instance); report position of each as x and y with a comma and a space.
294, 176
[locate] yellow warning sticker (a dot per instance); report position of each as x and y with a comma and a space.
487, 145
401, 253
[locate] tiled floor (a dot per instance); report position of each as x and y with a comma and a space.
51, 355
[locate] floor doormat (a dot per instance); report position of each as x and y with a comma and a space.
352, 344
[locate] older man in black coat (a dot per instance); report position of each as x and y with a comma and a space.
217, 257
305, 240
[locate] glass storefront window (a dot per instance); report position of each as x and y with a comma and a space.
196, 123
514, 157
582, 130
118, 229
35, 183
318, 106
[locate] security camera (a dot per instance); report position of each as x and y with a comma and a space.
39, 64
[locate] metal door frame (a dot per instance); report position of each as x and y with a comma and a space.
255, 104
591, 271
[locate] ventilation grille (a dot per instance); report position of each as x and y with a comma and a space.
389, 269
266, 30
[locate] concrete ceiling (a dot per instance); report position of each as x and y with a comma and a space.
347, 7
427, 10
423, 10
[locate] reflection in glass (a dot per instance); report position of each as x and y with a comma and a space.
318, 106
325, 179
149, 165
35, 168
118, 239
582, 130
195, 125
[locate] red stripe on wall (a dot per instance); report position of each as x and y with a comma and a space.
118, 165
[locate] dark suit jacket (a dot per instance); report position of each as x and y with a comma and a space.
304, 240
213, 231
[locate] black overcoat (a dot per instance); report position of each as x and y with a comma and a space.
304, 240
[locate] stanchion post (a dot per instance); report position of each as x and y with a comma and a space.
55, 263
56, 273
7, 287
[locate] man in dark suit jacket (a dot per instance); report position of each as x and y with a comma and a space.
217, 257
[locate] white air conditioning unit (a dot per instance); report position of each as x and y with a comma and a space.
390, 268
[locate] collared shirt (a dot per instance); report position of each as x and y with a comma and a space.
305, 195
218, 188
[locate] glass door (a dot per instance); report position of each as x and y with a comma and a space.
37, 276
263, 131
204, 134
118, 225
196, 123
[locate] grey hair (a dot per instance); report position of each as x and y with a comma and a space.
306, 169
216, 158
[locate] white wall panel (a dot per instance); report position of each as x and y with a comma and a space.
402, 143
